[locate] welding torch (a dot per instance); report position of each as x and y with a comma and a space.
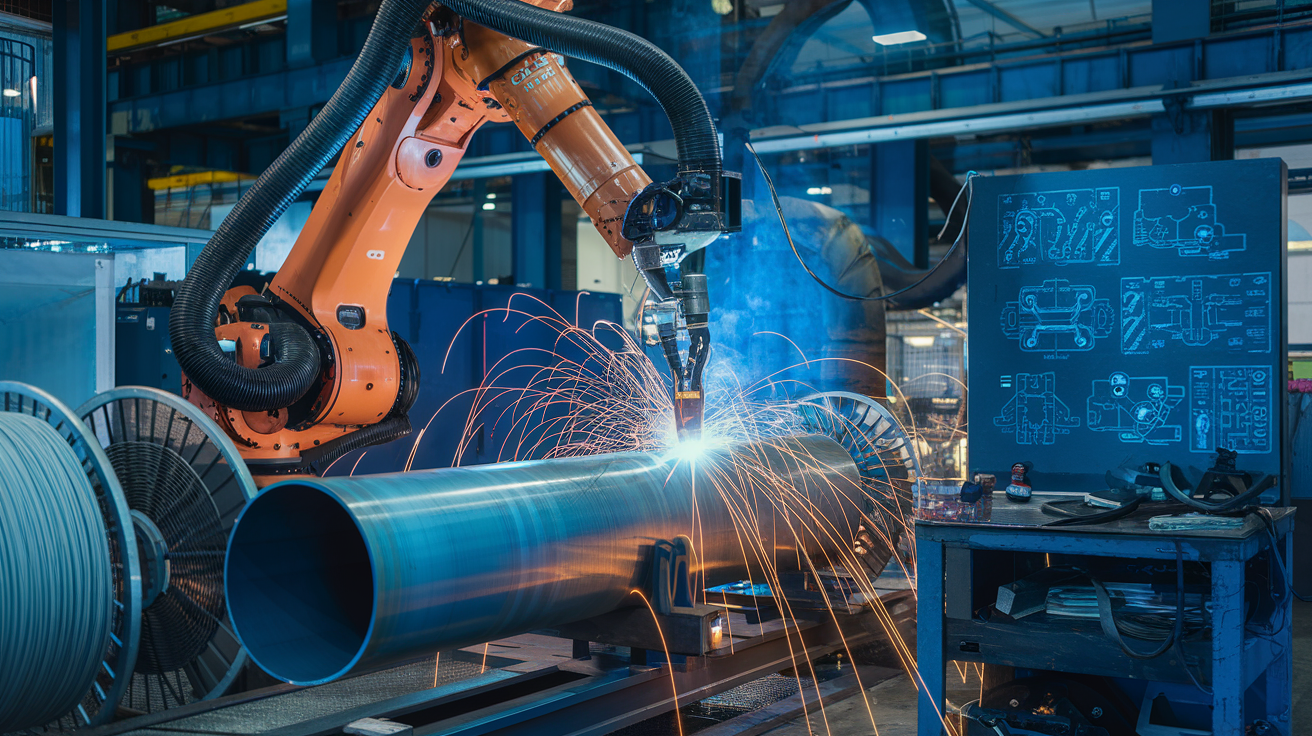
666, 222
692, 307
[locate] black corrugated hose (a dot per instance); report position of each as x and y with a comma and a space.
631, 55
296, 357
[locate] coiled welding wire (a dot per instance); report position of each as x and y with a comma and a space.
56, 583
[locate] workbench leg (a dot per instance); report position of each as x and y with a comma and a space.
1227, 647
929, 637
1279, 675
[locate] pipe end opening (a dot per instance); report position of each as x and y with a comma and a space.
300, 584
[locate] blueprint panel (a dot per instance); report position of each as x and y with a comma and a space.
1153, 331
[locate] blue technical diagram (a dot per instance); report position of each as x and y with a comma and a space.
1034, 414
1062, 228
1184, 218
1229, 311
1056, 317
1231, 407
1138, 410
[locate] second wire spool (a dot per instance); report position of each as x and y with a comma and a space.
185, 483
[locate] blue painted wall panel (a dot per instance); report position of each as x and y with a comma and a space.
1237, 57
799, 108
1028, 82
1091, 74
1161, 66
965, 89
1296, 45
904, 95
845, 103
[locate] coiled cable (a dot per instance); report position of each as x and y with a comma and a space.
56, 581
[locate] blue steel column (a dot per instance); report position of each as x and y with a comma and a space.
899, 197
311, 32
931, 667
1181, 135
536, 229
79, 101
1180, 20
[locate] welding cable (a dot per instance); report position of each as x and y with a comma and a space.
392, 428
295, 367
695, 136
1072, 518
1111, 630
1269, 524
968, 189
56, 583
1172, 479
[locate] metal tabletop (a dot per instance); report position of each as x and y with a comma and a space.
1020, 527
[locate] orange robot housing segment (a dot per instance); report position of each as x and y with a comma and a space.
551, 110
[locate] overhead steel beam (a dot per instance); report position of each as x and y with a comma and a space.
963, 126
1006, 17
1252, 96
196, 26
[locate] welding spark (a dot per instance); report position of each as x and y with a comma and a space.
596, 391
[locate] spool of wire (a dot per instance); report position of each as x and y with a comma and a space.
56, 581
185, 484
70, 580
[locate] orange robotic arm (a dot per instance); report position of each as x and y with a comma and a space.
336, 279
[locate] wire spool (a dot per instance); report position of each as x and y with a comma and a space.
885, 456
185, 484
70, 589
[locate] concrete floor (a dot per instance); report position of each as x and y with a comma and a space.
893, 701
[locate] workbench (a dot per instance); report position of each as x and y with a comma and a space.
960, 564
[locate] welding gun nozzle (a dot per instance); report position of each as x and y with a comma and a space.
688, 410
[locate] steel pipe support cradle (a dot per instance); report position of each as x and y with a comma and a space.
329, 576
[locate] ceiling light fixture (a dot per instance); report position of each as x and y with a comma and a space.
893, 39
12, 93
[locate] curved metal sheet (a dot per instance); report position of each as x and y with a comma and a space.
327, 576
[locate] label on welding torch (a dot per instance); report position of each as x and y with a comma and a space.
688, 395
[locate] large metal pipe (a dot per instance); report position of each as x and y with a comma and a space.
327, 576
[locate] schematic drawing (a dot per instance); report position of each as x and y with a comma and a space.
1231, 407
1078, 226
1184, 218
1136, 409
1057, 317
1034, 414
1196, 311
